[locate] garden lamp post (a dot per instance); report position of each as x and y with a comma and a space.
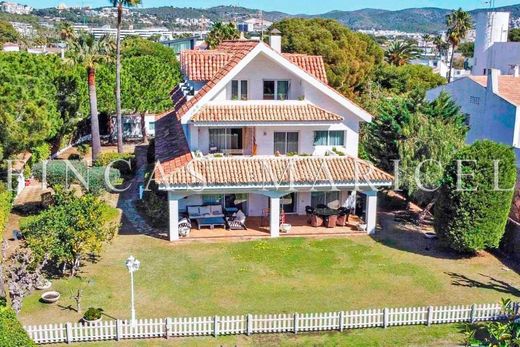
133, 265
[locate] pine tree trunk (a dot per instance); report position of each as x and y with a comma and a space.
118, 79
3, 294
94, 121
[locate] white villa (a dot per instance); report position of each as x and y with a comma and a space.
261, 130
492, 104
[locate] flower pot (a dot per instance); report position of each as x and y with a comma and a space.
285, 228
43, 285
50, 297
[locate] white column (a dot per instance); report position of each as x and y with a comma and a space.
371, 211
274, 214
173, 207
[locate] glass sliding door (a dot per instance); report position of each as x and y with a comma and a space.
228, 140
285, 142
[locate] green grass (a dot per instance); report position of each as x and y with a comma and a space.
277, 276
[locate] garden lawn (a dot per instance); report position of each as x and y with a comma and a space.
271, 276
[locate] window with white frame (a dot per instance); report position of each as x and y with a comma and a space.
276, 89
329, 138
239, 90
238, 201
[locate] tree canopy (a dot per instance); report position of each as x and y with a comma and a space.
220, 32
399, 53
514, 35
8, 33
351, 58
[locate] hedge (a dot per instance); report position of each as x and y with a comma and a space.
5, 207
57, 173
12, 333
104, 159
474, 218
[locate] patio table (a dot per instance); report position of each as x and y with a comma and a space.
326, 212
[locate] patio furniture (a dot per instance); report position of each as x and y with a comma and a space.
343, 214
209, 215
211, 222
264, 220
184, 227
237, 221
331, 221
316, 221
309, 211
321, 206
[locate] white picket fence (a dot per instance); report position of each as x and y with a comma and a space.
257, 324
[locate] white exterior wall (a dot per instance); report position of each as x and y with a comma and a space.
503, 55
491, 27
493, 118
260, 69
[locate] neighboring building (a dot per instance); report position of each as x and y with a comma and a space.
492, 104
258, 128
182, 44
255, 25
11, 47
492, 50
15, 8
24, 29
164, 33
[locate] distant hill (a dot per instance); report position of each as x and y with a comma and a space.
427, 19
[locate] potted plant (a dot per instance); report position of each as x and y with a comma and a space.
42, 283
92, 315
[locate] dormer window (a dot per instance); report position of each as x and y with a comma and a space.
239, 90
276, 90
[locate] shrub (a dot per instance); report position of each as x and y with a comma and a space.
155, 207
12, 334
5, 206
104, 159
40, 153
58, 173
474, 217
93, 313
83, 149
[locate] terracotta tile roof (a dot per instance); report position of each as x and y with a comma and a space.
171, 146
246, 112
312, 64
233, 61
261, 171
508, 87
203, 65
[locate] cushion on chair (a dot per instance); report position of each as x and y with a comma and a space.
240, 216
204, 210
193, 211
216, 210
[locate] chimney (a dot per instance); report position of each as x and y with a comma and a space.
275, 40
516, 70
492, 80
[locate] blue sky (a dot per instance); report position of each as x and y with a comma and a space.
289, 6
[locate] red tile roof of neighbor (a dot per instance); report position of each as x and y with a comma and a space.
282, 112
172, 149
508, 87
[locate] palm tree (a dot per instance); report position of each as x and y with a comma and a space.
441, 45
220, 32
89, 52
459, 22
119, 4
66, 31
399, 53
